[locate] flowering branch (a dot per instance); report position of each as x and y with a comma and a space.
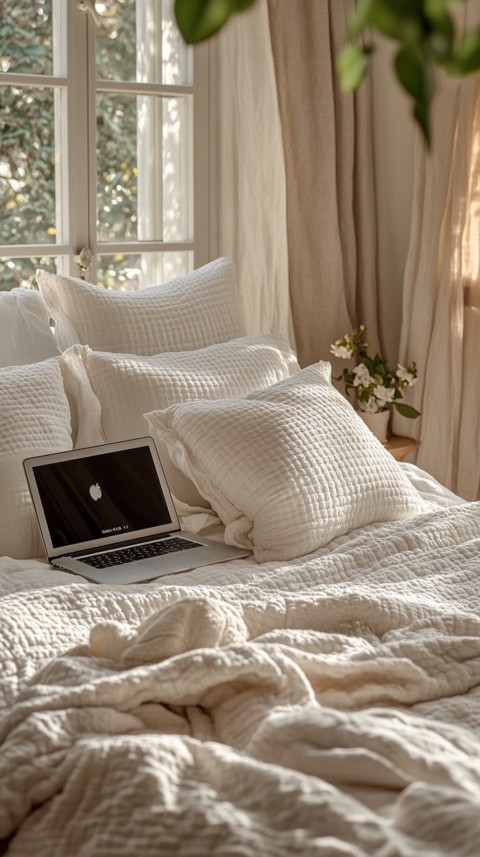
376, 386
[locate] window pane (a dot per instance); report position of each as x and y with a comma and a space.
21, 272
27, 166
117, 167
140, 41
26, 37
128, 273
143, 168
116, 40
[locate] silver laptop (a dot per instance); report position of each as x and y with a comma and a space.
106, 513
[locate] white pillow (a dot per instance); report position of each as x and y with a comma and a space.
127, 386
187, 313
34, 419
25, 334
289, 468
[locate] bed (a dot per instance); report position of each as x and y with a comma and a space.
320, 697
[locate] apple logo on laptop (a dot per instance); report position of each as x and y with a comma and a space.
95, 491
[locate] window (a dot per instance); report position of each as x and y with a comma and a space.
101, 103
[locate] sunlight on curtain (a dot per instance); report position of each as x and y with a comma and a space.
248, 171
470, 245
441, 310
468, 461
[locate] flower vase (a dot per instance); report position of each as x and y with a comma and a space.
377, 423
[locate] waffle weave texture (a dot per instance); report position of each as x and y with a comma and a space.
34, 419
289, 468
187, 313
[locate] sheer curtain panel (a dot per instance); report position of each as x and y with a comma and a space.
441, 309
247, 169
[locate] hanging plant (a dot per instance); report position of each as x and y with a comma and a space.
424, 32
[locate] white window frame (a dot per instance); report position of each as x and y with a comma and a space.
75, 87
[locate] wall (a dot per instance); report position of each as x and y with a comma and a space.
393, 137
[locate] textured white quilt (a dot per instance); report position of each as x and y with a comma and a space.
325, 706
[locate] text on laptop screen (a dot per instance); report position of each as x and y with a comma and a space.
101, 496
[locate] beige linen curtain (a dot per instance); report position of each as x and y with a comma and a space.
329, 169
247, 170
441, 309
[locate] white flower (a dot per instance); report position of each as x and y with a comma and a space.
384, 394
405, 376
341, 351
376, 387
369, 407
362, 376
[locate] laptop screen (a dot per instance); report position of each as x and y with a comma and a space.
110, 495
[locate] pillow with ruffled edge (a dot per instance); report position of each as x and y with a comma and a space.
25, 335
189, 312
126, 386
34, 419
289, 468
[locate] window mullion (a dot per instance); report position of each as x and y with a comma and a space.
149, 140
202, 223
92, 145
76, 149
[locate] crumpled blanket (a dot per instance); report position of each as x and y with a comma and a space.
324, 706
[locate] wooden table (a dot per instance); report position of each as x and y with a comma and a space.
400, 447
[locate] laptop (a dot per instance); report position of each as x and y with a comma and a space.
107, 514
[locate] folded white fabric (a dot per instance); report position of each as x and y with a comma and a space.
187, 313
34, 419
126, 386
289, 468
25, 334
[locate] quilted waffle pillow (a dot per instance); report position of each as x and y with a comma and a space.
186, 313
127, 386
288, 468
34, 419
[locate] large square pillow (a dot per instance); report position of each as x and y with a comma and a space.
288, 468
126, 386
34, 419
25, 334
187, 313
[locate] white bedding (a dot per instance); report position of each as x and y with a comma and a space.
328, 705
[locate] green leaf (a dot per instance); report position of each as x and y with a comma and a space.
442, 34
436, 13
410, 72
360, 18
398, 19
466, 58
370, 364
406, 410
403, 8
421, 113
352, 67
199, 19
415, 72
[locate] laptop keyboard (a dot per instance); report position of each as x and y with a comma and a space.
136, 552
